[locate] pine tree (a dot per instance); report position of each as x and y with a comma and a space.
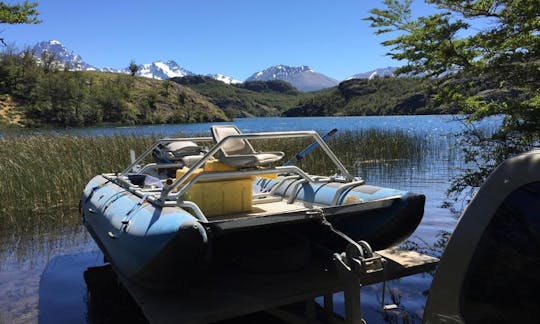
133, 67
25, 13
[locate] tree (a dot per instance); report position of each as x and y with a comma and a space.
483, 57
25, 13
49, 62
133, 67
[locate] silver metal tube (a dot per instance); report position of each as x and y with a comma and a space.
267, 135
333, 157
230, 175
193, 206
123, 181
153, 166
295, 191
342, 189
281, 182
314, 134
165, 193
218, 146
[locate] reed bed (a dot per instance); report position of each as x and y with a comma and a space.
354, 148
43, 175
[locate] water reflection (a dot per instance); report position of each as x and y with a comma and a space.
23, 258
62, 290
78, 288
106, 300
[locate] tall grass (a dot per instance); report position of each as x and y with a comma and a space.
42, 177
353, 148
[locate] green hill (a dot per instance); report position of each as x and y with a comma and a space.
248, 99
33, 94
362, 97
38, 95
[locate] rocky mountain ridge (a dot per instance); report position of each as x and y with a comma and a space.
160, 70
302, 77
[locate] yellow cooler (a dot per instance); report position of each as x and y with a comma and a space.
219, 197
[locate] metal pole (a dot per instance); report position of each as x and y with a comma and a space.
353, 310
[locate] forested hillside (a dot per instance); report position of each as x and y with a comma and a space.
248, 99
33, 94
47, 94
363, 97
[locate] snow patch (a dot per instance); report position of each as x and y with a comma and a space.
225, 78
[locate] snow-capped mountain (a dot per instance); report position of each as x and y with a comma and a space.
377, 73
301, 77
157, 70
224, 78
162, 70
113, 70
61, 54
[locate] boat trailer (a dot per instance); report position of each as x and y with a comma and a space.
289, 296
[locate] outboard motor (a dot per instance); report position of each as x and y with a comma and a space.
175, 152
183, 153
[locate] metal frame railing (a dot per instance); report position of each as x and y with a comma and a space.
181, 185
270, 135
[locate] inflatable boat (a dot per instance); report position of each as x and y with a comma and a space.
161, 223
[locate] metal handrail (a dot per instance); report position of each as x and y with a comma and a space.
343, 188
155, 166
217, 175
295, 191
278, 184
165, 193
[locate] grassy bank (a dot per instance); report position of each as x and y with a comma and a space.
43, 176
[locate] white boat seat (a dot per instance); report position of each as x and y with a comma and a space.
239, 152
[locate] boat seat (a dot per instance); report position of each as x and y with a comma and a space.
238, 152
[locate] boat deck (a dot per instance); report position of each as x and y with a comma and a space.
265, 209
232, 294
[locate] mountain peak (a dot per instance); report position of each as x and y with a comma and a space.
302, 77
377, 73
61, 54
277, 71
162, 70
224, 78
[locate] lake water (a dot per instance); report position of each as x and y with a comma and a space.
429, 125
41, 270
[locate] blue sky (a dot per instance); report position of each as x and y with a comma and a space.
233, 37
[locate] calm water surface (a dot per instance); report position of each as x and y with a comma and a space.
428, 125
41, 270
